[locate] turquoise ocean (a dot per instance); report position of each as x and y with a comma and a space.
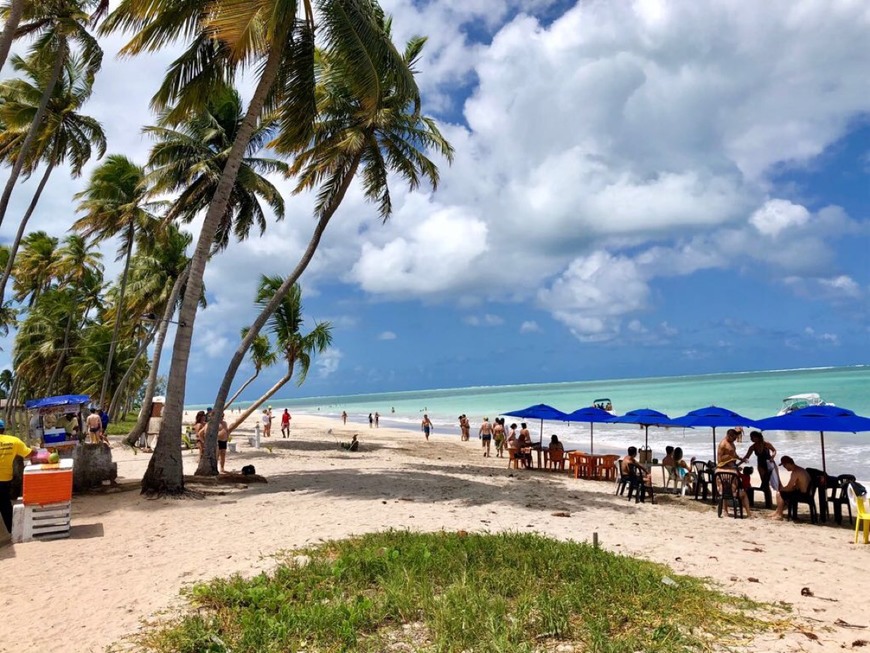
753, 394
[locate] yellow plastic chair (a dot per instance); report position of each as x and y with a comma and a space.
862, 512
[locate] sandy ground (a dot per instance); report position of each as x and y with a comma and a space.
128, 557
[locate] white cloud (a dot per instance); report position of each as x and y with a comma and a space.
387, 335
594, 292
327, 362
529, 326
485, 320
778, 215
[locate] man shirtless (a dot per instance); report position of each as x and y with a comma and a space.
485, 434
223, 439
726, 453
95, 427
425, 425
799, 483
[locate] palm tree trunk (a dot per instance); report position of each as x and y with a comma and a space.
165, 474
118, 396
60, 359
10, 402
254, 406
16, 8
118, 309
240, 390
145, 410
219, 402
34, 129
13, 250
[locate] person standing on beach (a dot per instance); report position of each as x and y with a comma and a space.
765, 453
485, 434
10, 448
525, 436
285, 424
344, 417
499, 436
94, 426
223, 439
267, 423
426, 425
200, 424
377, 420
371, 421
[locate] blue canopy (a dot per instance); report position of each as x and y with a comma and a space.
541, 412
592, 415
57, 402
646, 417
817, 418
713, 416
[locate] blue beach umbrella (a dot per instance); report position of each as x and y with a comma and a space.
646, 417
713, 416
817, 418
592, 415
541, 412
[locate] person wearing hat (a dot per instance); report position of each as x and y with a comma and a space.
798, 483
10, 448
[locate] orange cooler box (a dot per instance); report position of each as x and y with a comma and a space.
51, 483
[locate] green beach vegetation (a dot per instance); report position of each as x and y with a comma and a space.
457, 592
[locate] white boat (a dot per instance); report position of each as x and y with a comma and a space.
604, 404
796, 402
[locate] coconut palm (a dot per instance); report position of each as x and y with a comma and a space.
188, 159
79, 269
158, 277
35, 266
13, 17
66, 136
55, 25
6, 379
373, 130
296, 348
115, 203
262, 356
226, 35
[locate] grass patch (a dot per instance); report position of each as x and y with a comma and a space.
452, 592
122, 427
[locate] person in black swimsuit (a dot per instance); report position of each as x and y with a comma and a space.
764, 453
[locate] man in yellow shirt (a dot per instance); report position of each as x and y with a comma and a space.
10, 448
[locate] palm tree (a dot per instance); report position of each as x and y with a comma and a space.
56, 25
35, 266
65, 135
228, 34
156, 271
261, 356
13, 17
115, 202
296, 348
188, 159
6, 379
79, 268
377, 129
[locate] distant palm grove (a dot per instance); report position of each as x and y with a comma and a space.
334, 101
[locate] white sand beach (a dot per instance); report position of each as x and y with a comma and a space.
128, 556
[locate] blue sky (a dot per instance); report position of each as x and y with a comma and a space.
640, 189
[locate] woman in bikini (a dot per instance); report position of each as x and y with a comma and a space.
765, 453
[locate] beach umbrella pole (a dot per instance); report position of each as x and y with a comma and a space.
714, 446
591, 438
541, 439
824, 468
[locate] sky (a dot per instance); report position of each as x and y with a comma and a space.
640, 188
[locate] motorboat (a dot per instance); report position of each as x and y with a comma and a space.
604, 404
796, 402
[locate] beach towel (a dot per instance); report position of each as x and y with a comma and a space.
774, 476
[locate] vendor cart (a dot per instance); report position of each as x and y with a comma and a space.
56, 422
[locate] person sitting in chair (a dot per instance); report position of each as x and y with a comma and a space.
668, 460
353, 445
799, 483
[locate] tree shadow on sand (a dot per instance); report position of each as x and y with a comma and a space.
455, 485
